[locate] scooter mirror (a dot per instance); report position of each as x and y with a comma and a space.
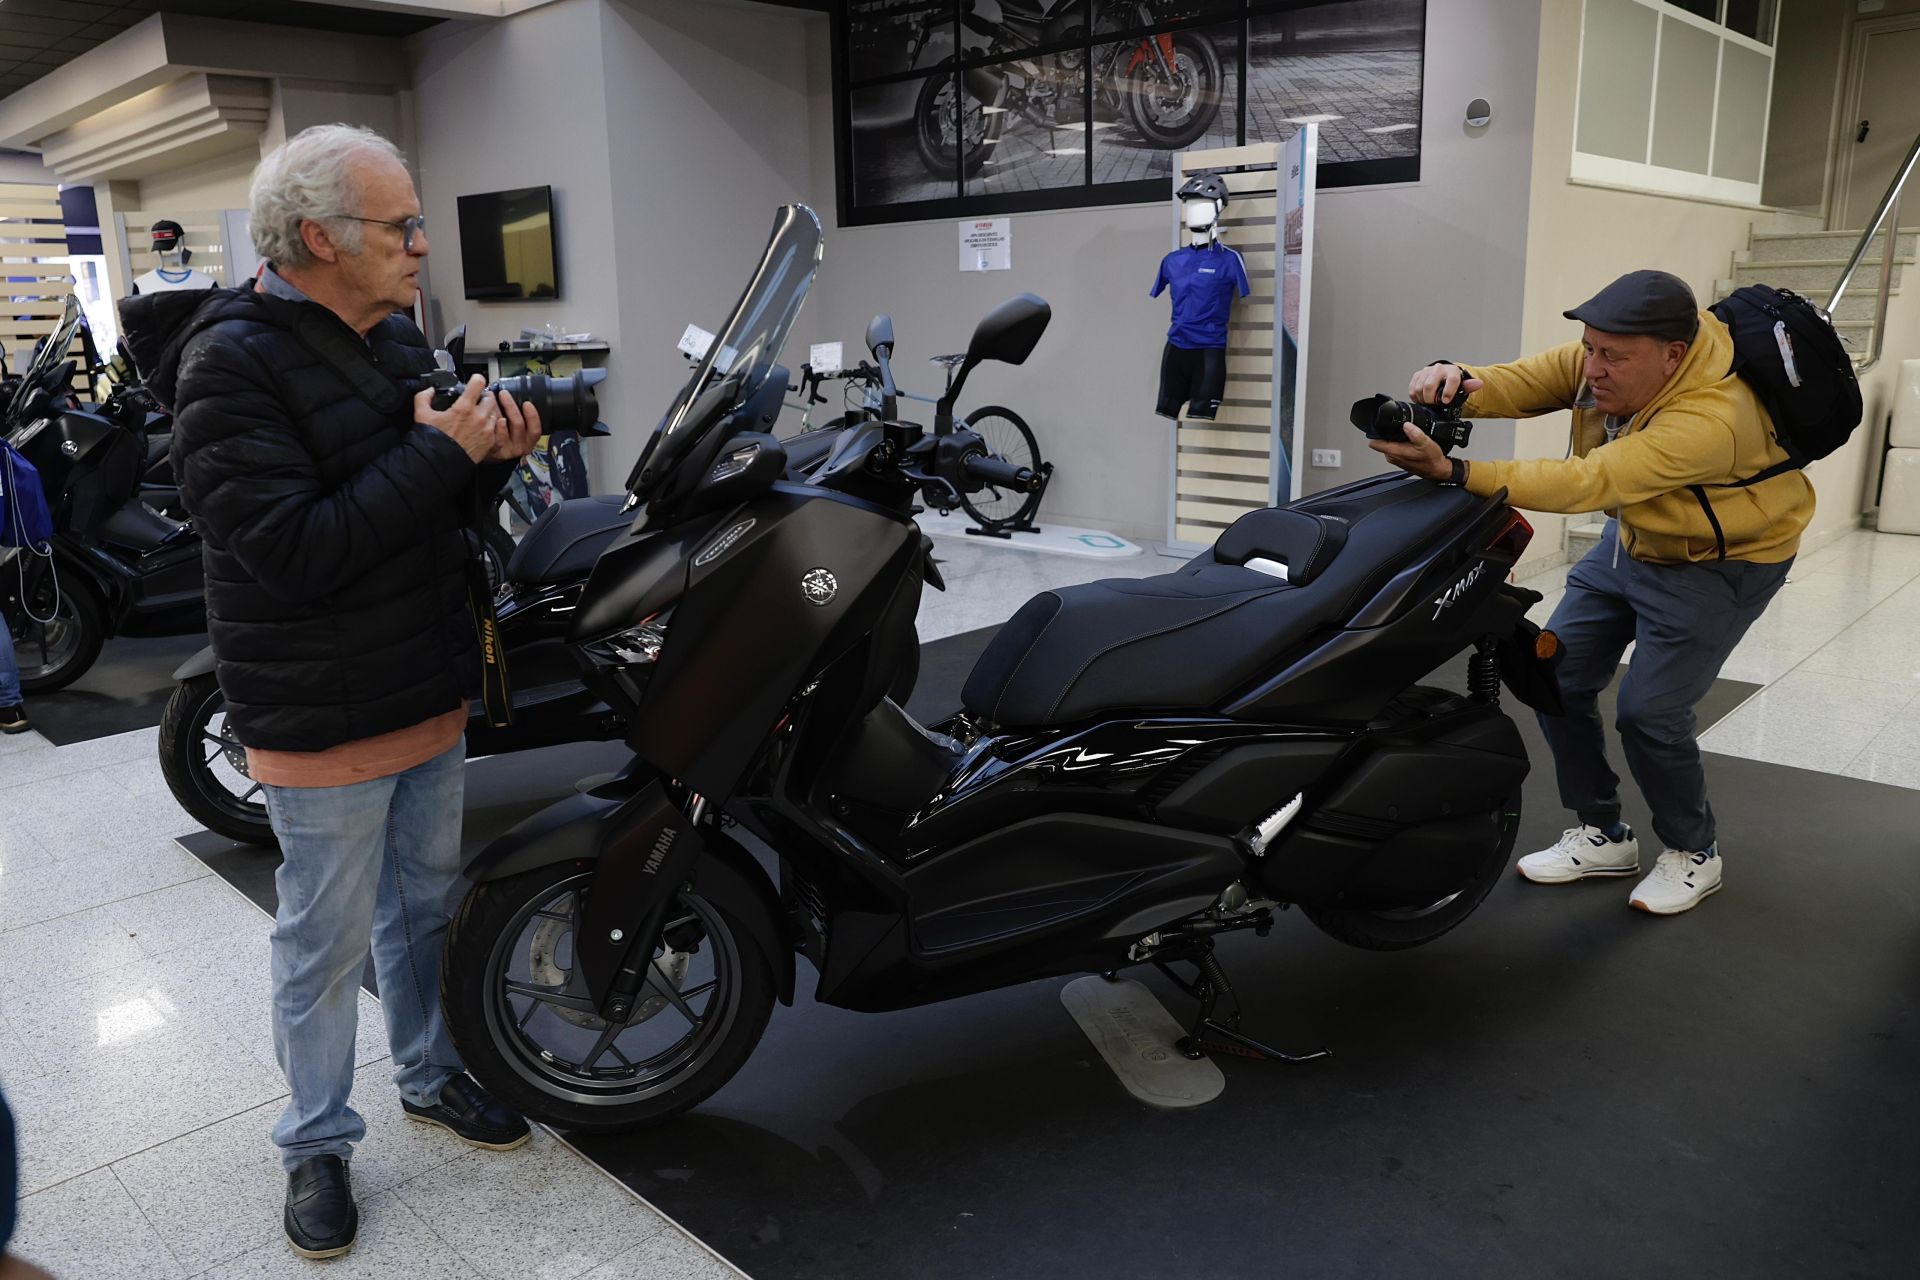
456, 344
1010, 331
880, 334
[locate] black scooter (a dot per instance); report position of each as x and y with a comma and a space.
1138, 768
538, 585
115, 566
206, 767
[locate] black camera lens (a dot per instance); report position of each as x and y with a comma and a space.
1384, 418
565, 403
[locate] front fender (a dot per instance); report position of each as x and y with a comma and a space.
200, 664
581, 828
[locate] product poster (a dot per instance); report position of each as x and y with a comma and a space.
1297, 170
975, 107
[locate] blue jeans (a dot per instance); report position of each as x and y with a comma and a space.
9, 669
368, 863
1683, 620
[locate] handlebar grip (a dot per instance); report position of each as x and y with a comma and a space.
1001, 473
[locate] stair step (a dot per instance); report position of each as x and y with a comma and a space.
1811, 281
1825, 245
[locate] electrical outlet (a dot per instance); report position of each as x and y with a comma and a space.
1326, 457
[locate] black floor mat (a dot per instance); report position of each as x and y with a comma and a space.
126, 689
1561, 1087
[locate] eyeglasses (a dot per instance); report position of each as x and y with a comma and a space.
407, 227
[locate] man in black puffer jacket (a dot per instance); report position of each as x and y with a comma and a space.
332, 498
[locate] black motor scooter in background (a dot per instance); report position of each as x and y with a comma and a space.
115, 566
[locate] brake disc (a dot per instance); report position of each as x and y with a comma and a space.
544, 970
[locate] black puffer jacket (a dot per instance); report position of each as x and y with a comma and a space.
335, 561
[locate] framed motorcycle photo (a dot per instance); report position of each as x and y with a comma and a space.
967, 108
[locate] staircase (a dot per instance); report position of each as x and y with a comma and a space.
1809, 263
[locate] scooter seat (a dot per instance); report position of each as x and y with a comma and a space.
1190, 640
566, 539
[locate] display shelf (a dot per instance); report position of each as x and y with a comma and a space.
1226, 466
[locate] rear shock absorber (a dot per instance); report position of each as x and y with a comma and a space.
1483, 674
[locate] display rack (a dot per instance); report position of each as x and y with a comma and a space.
1223, 468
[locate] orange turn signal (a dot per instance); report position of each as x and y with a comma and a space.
1546, 645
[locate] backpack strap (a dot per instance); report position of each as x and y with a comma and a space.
1719, 534
324, 334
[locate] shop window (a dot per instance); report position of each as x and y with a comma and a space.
1674, 95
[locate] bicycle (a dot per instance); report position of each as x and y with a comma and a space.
999, 514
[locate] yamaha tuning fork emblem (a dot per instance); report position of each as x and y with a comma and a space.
819, 586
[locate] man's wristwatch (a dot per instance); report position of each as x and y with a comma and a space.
1458, 476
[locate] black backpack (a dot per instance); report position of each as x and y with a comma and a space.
1787, 351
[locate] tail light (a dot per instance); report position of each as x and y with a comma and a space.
1513, 537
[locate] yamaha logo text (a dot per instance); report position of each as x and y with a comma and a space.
659, 854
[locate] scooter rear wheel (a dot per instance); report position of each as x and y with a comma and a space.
1398, 930
525, 1028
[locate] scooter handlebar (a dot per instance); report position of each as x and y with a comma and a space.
1002, 474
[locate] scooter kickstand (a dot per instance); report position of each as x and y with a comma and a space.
1210, 1034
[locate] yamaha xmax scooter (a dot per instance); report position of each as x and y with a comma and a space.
1139, 766
537, 587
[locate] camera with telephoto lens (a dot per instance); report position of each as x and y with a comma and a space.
1383, 418
566, 403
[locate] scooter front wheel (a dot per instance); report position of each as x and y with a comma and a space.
526, 1028
59, 650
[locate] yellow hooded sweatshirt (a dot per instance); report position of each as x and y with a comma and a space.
1704, 428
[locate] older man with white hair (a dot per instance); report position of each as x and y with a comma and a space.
333, 499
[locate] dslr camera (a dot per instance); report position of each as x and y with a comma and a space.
1383, 418
565, 403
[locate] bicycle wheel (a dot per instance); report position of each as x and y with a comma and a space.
1009, 437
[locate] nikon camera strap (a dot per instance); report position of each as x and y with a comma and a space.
327, 337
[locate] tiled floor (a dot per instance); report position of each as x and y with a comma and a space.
134, 1042
1837, 651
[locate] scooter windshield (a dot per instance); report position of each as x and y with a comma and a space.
50, 354
743, 351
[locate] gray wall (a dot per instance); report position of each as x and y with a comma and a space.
1401, 275
669, 130
707, 105
521, 102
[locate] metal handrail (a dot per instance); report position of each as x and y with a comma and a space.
1887, 214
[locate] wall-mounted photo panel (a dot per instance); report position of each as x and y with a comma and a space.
972, 108
1035, 136
1160, 93
1353, 68
904, 148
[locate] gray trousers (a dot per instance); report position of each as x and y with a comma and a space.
1683, 621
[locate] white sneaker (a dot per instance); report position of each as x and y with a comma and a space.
1678, 882
1583, 851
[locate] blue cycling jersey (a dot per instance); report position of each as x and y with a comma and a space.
1203, 281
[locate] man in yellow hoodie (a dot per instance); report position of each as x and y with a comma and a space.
1662, 433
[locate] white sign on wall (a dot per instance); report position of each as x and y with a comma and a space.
986, 244
695, 341
825, 357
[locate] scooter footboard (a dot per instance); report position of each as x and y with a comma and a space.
1410, 816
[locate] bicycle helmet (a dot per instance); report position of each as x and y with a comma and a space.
1203, 186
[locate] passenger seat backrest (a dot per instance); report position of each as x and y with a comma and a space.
1306, 544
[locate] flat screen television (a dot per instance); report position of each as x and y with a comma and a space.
506, 245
